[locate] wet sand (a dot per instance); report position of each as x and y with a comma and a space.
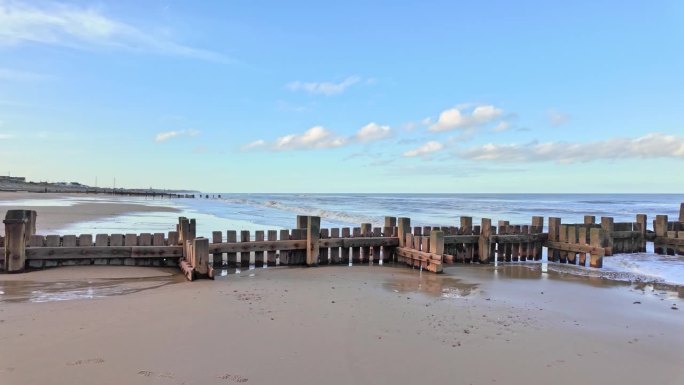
339, 325
52, 217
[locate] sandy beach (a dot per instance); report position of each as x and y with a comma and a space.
332, 325
51, 217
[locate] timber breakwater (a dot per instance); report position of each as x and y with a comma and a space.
423, 247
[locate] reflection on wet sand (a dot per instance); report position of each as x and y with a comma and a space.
431, 284
35, 291
568, 273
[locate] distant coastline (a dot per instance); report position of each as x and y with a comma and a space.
19, 184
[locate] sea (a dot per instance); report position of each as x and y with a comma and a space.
230, 211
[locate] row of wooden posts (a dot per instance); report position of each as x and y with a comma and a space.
427, 247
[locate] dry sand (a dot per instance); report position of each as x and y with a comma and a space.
335, 325
51, 218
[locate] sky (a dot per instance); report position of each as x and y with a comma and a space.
349, 96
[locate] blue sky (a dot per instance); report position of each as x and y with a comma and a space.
354, 96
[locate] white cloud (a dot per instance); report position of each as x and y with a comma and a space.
84, 28
653, 145
164, 136
557, 118
6, 136
428, 148
502, 126
314, 138
253, 145
372, 132
459, 118
324, 88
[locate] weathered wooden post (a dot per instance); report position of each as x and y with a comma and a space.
200, 254
231, 258
537, 228
554, 236
404, 227
608, 224
313, 234
589, 219
483, 242
681, 212
366, 231
660, 228
467, 229
217, 237
597, 238
641, 228
15, 242
437, 242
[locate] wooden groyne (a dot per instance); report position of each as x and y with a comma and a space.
397, 242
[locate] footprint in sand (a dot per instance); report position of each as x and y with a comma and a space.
233, 378
87, 361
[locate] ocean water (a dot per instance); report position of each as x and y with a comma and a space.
275, 211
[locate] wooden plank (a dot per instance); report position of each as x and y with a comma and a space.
537, 228
525, 246
515, 247
641, 221
431, 262
298, 257
231, 256
572, 238
597, 238
573, 247
554, 236
324, 253
271, 255
201, 256
356, 251
284, 255
313, 236
245, 254
461, 239
467, 230
335, 250
259, 236
104, 252
660, 227
583, 233
589, 219
344, 256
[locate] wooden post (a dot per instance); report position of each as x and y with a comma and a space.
563, 238
183, 230
193, 229
386, 250
572, 239
437, 242
681, 212
245, 255
201, 256
537, 228
344, 259
313, 235
596, 238
299, 257
15, 245
554, 233
217, 258
335, 251
324, 252
377, 232
660, 228
259, 255
366, 231
589, 219
582, 239
483, 243
404, 227
390, 222
641, 220
467, 229
608, 224
284, 254
272, 235
356, 251
231, 258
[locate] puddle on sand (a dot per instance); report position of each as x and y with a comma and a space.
431, 284
35, 291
